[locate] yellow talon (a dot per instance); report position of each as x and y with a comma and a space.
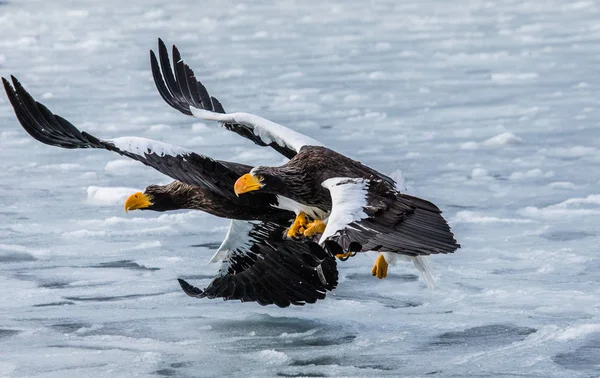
315, 227
380, 267
299, 222
345, 256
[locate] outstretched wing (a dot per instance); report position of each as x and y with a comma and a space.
178, 86
368, 215
182, 91
177, 162
259, 265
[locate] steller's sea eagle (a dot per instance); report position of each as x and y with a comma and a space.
258, 264
355, 207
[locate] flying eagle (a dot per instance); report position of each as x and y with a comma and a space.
365, 211
258, 264
352, 205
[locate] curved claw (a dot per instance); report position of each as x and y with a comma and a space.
315, 227
345, 256
300, 223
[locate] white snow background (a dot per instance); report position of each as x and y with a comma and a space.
489, 109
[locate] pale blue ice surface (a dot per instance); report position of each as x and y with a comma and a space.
490, 109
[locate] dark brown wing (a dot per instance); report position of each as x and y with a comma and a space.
179, 163
258, 265
368, 216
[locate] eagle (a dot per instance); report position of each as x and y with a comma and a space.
180, 89
353, 207
257, 262
364, 210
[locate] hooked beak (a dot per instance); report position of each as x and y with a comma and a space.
136, 201
246, 183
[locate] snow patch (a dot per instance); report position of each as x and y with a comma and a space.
353, 98
378, 75
108, 196
383, 46
24, 249
78, 234
570, 152
168, 218
469, 146
463, 133
500, 140
159, 128
120, 165
65, 167
513, 77
195, 141
578, 332
479, 172
77, 13
271, 357
533, 173
89, 176
200, 127
562, 185
573, 207
226, 74
503, 139
474, 217
147, 245
154, 14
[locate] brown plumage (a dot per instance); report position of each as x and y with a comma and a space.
256, 261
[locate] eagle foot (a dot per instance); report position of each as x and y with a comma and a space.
345, 256
380, 267
300, 223
315, 227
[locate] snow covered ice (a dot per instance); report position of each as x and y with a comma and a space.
489, 109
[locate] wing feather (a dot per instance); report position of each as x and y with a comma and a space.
259, 265
367, 215
177, 162
177, 88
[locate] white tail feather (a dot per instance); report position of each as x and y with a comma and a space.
422, 263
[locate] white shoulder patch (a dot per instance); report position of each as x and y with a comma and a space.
348, 199
253, 170
237, 239
286, 203
143, 146
266, 130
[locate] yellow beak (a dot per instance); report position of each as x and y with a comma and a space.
246, 183
137, 201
